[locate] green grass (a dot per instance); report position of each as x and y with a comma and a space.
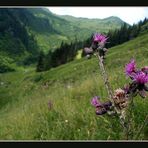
48, 42
24, 97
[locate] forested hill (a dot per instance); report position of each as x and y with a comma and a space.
49, 29
24, 32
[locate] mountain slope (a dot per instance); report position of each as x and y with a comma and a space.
68, 30
55, 105
50, 30
24, 32
95, 25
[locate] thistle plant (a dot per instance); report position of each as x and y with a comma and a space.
120, 101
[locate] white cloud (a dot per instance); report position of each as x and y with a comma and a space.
128, 14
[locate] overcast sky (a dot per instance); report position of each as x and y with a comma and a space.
128, 14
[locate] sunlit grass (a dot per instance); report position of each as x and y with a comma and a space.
25, 94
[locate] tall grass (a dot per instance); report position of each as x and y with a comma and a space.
24, 98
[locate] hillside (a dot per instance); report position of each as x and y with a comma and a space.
67, 30
48, 29
55, 105
95, 25
24, 32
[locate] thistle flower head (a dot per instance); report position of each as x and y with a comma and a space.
119, 93
120, 98
140, 77
95, 101
101, 108
130, 68
100, 38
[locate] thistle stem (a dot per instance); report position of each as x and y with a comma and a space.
105, 77
106, 82
109, 90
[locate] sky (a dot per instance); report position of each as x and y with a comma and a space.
130, 15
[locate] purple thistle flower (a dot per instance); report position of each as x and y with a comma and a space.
95, 101
101, 108
130, 68
100, 38
140, 77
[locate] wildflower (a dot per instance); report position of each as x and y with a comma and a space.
140, 77
100, 38
97, 37
119, 93
120, 98
101, 108
95, 102
130, 68
104, 108
98, 44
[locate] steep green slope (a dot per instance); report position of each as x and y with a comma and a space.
26, 31
15, 41
44, 24
69, 29
55, 105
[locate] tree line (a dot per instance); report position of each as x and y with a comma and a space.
126, 33
65, 53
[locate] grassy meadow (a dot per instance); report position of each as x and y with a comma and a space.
55, 105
